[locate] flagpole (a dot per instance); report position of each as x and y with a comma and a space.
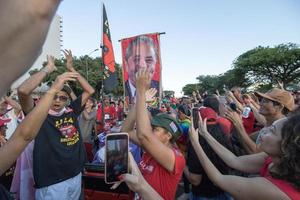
102, 64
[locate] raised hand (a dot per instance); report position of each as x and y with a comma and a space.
69, 58
150, 95
202, 126
50, 67
61, 79
143, 80
135, 179
234, 117
193, 134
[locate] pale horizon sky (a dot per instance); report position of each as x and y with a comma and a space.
202, 37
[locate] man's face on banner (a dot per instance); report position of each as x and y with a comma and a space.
142, 56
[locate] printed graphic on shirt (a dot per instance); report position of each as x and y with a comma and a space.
69, 132
146, 167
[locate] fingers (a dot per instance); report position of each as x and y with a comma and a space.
130, 179
133, 165
114, 186
67, 53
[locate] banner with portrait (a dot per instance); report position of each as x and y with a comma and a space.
142, 51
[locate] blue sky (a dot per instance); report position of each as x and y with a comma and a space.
202, 37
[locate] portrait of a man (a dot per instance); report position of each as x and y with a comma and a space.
141, 52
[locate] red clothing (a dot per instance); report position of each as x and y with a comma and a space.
249, 123
283, 185
226, 125
163, 181
110, 115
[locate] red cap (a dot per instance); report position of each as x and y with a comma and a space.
209, 114
3, 121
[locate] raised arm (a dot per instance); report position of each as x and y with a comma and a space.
138, 184
88, 90
248, 163
260, 118
230, 95
160, 152
128, 126
246, 141
129, 123
15, 105
238, 187
29, 127
26, 25
26, 88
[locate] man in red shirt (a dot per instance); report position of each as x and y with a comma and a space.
110, 115
162, 163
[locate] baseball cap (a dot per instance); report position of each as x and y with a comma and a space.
281, 96
3, 121
169, 123
209, 114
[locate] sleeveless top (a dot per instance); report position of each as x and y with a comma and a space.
283, 185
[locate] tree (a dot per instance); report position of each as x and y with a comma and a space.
91, 69
189, 88
266, 65
168, 93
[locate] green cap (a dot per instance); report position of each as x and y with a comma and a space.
169, 123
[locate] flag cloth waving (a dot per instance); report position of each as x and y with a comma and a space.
110, 76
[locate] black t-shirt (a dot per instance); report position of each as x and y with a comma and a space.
58, 152
206, 188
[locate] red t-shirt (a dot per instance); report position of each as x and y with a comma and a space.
163, 181
249, 123
283, 185
110, 115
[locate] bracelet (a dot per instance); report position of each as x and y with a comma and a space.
44, 70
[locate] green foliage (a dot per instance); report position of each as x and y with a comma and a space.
189, 88
90, 68
259, 69
269, 65
168, 93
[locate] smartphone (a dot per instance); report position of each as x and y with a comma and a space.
195, 117
116, 156
232, 105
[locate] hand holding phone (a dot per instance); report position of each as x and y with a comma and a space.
116, 156
195, 117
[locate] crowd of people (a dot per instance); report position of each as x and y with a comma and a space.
230, 146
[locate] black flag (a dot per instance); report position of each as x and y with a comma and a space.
110, 77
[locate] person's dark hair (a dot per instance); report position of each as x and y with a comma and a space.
289, 165
119, 101
216, 131
212, 102
93, 100
184, 109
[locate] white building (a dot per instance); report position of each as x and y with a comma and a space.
52, 46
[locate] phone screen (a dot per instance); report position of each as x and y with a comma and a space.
233, 106
195, 117
116, 157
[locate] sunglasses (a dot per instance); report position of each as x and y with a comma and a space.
61, 98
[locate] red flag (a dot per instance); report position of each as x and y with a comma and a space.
110, 78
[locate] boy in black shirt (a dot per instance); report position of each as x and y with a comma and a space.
58, 154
